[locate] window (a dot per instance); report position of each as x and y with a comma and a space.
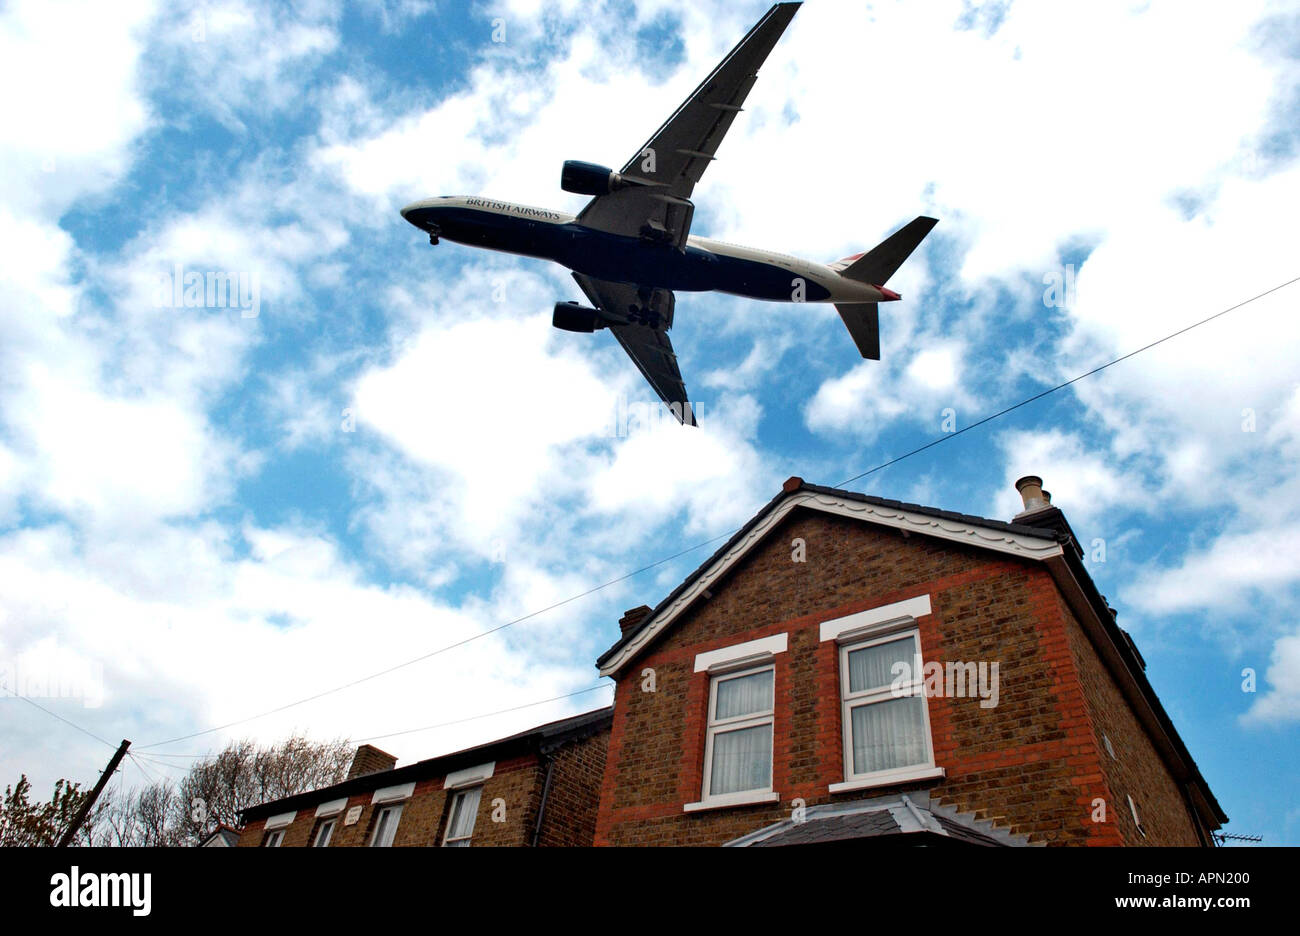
738, 746
273, 838
1137, 820
460, 823
886, 723
324, 832
385, 826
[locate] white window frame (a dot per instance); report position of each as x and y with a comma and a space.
470, 776
324, 827
274, 839
391, 808
331, 808
851, 700
457, 799
715, 727
751, 653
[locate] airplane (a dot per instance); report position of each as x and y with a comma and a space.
631, 248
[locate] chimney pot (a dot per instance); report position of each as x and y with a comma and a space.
632, 617
1032, 494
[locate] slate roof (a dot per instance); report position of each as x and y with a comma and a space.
221, 836
895, 819
540, 739
1020, 529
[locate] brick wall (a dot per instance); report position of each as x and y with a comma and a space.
369, 759
511, 793
507, 811
1032, 763
576, 777
1136, 769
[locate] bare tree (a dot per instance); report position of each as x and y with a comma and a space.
218, 788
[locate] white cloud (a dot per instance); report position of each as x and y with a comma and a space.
1282, 701
1232, 572
513, 437
235, 58
65, 131
1084, 482
293, 610
855, 402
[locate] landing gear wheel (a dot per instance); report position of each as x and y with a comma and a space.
641, 315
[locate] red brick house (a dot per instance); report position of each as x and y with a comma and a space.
849, 668
539, 787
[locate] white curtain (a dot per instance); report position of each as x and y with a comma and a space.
744, 695
888, 734
870, 667
464, 811
386, 826
742, 760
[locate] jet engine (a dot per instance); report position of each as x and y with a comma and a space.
584, 178
570, 316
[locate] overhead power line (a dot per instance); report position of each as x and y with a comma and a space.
1062, 386
153, 757
470, 718
71, 724
614, 581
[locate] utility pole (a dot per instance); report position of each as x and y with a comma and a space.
84, 811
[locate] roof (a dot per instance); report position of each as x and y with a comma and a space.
795, 486
223, 836
541, 740
1048, 539
906, 819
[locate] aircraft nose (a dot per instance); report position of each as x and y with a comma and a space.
421, 212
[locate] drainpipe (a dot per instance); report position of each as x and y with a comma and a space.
541, 807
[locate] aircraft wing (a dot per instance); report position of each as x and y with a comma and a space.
675, 158
647, 345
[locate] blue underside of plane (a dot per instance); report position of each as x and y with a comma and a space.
617, 258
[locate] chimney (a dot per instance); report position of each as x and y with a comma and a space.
369, 759
1033, 495
1039, 512
632, 618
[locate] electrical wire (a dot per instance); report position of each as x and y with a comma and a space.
470, 718
1062, 386
935, 442
72, 724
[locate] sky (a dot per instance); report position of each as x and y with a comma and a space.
371, 449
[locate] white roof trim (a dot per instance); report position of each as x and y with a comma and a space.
755, 650
280, 821
477, 774
875, 618
1015, 544
391, 794
332, 808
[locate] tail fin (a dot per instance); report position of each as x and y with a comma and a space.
863, 322
882, 261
